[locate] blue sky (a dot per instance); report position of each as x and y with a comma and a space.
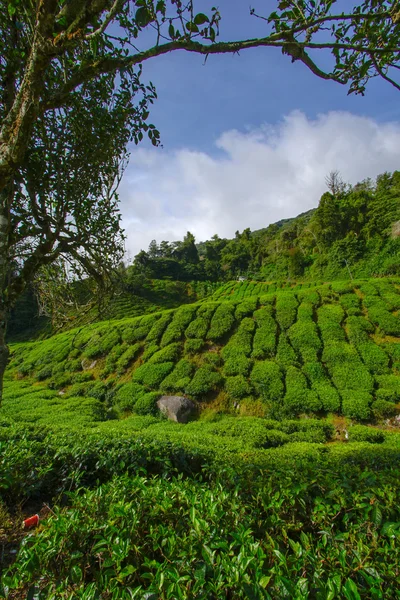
255, 93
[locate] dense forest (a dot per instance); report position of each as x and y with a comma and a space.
354, 231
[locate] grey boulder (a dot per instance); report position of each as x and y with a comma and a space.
177, 408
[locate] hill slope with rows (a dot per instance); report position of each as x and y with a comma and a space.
306, 350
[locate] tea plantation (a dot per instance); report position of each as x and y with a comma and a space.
285, 485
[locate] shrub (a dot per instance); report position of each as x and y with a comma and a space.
139, 328
385, 394
361, 433
158, 328
237, 387
374, 357
265, 336
151, 375
44, 373
358, 329
382, 409
169, 353
222, 322
285, 354
352, 377
350, 303
330, 317
355, 404
241, 341
266, 378
149, 351
147, 404
304, 338
328, 395
298, 397
179, 379
82, 377
390, 382
212, 358
197, 328
237, 364
181, 319
286, 308
193, 346
379, 314
127, 358
245, 308
275, 438
204, 381
314, 371
127, 395
59, 381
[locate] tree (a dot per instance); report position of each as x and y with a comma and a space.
66, 59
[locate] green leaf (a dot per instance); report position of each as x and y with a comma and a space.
143, 17
201, 18
350, 590
11, 9
192, 27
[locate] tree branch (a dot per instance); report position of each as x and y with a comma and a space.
383, 74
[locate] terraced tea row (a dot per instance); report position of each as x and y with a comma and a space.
330, 348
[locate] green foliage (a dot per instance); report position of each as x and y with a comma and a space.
193, 346
237, 387
147, 404
237, 364
205, 380
285, 354
264, 342
222, 322
356, 404
286, 309
158, 328
151, 375
298, 398
304, 338
381, 316
166, 354
328, 395
360, 433
127, 395
266, 377
246, 308
382, 409
241, 341
127, 358
181, 319
180, 377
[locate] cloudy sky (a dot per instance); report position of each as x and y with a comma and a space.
248, 139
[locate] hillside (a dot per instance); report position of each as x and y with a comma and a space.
304, 349
274, 490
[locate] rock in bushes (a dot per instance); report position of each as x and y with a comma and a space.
176, 408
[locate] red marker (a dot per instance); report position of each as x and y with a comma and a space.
31, 522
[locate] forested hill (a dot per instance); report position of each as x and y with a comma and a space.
354, 232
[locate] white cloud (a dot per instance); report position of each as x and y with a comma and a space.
252, 179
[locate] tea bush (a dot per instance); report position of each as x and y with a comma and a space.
356, 404
286, 309
237, 387
222, 322
205, 380
266, 377
151, 375
180, 377
181, 319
